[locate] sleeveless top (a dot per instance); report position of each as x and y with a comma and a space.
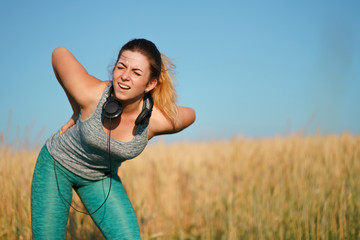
83, 148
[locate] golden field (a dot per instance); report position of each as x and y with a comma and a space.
294, 187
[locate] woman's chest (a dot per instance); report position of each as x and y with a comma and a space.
119, 129
125, 142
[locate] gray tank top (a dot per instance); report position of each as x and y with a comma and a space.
83, 148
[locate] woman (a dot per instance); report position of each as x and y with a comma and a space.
82, 156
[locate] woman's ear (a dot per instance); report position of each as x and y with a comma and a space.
151, 85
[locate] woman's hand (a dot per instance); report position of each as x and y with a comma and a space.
70, 123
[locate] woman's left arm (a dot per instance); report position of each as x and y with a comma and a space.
186, 116
160, 124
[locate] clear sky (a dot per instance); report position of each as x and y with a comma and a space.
250, 68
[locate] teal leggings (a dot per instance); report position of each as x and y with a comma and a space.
49, 212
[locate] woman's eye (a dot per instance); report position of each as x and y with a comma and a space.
120, 67
137, 74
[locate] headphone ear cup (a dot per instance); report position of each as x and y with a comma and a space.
111, 108
147, 110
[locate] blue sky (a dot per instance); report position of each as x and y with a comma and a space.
250, 68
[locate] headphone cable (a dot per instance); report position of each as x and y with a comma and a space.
109, 157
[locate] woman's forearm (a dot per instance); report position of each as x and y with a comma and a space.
56, 58
74, 105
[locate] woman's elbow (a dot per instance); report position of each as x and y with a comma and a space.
58, 53
187, 116
192, 116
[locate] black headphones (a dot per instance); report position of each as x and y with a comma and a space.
112, 108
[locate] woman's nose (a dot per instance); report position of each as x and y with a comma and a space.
125, 75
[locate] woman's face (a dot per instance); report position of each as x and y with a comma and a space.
131, 76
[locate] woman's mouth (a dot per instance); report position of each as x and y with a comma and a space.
123, 86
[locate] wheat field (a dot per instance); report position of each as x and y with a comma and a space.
294, 187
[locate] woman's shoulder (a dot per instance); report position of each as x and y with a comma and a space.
94, 87
93, 92
97, 89
104, 84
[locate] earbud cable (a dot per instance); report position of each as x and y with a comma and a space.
109, 157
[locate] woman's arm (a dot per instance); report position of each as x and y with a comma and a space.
78, 85
160, 124
75, 81
186, 116
74, 105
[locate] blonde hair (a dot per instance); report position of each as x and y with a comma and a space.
164, 94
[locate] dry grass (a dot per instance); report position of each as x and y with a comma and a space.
293, 187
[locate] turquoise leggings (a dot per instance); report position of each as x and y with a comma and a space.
49, 212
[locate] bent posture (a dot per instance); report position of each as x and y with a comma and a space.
77, 157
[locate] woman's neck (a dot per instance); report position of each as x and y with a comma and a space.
134, 107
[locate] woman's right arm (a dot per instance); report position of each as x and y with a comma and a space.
79, 86
74, 105
73, 77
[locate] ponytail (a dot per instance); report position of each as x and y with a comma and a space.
164, 93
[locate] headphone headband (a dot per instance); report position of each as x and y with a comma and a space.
112, 108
